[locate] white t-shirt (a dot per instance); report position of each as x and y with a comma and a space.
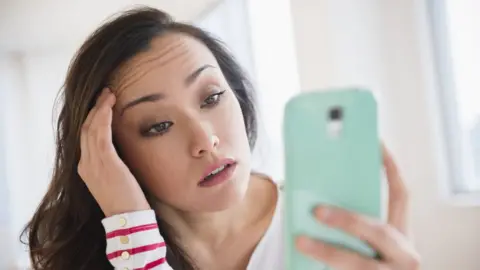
134, 242
269, 253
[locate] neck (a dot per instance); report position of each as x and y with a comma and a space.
213, 229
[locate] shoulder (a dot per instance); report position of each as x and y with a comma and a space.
277, 182
269, 253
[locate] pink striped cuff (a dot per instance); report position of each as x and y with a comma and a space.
136, 250
128, 231
152, 264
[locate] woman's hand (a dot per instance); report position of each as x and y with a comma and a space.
389, 240
107, 177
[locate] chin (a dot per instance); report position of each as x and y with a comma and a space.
226, 195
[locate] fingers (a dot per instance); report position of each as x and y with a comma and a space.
385, 239
85, 127
100, 131
103, 110
91, 114
100, 116
397, 194
336, 258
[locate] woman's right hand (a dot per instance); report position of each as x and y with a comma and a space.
107, 177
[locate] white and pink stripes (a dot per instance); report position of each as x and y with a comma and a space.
134, 242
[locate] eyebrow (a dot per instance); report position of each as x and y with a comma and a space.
192, 77
158, 96
148, 98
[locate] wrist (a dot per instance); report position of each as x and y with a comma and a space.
126, 209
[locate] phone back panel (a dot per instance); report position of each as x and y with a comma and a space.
330, 162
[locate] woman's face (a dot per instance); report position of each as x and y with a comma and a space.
176, 119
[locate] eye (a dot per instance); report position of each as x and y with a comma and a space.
213, 99
159, 128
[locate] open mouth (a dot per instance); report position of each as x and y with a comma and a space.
215, 172
218, 175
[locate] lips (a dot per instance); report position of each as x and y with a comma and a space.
216, 170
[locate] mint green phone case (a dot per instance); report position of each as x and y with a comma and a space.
333, 157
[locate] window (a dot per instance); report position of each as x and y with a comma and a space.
456, 39
228, 21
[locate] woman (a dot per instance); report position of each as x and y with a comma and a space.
154, 137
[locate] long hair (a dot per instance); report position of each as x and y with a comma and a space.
66, 231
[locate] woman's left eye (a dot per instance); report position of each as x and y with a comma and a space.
212, 100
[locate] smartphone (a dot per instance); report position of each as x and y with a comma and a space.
332, 157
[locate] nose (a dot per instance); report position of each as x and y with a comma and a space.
204, 141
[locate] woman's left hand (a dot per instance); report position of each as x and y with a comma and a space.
389, 240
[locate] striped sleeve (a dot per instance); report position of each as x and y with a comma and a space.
134, 241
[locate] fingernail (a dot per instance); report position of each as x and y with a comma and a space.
305, 243
323, 213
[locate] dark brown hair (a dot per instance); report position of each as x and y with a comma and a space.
66, 231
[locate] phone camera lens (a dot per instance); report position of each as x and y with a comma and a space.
336, 114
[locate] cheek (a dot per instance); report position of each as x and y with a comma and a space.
154, 167
158, 168
231, 127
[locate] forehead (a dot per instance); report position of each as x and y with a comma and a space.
167, 62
